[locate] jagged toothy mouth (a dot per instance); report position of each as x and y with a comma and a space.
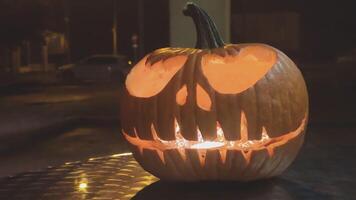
220, 143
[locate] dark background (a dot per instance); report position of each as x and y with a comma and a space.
326, 28
95, 22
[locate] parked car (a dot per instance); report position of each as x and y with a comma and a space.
96, 68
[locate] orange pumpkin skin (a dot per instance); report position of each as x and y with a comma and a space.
188, 114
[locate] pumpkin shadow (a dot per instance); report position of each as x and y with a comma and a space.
265, 190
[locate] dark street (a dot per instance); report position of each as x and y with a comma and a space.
45, 125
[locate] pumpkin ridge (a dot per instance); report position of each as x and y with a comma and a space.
205, 108
178, 84
189, 124
257, 129
284, 60
263, 164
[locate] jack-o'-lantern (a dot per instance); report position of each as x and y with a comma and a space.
214, 112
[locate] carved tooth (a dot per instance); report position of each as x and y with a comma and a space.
223, 153
140, 149
265, 136
220, 133
202, 156
180, 140
135, 131
176, 126
161, 156
247, 156
199, 136
154, 133
243, 127
221, 138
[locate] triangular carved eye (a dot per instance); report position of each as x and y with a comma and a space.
146, 80
234, 74
181, 96
203, 99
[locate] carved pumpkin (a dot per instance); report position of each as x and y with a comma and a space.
214, 112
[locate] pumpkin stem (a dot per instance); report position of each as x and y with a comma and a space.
208, 36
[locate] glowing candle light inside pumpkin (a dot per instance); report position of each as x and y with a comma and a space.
83, 186
207, 145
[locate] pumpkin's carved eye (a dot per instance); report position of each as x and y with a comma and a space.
181, 96
234, 74
203, 99
146, 80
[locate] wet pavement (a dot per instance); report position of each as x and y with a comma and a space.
32, 108
53, 124
76, 144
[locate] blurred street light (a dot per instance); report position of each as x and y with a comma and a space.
134, 41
